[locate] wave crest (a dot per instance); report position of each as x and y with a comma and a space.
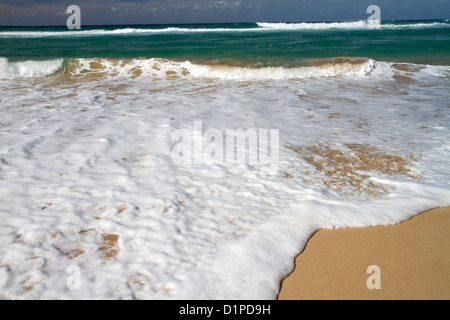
354, 25
169, 69
256, 27
315, 25
341, 67
28, 69
157, 68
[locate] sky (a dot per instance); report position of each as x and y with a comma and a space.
116, 12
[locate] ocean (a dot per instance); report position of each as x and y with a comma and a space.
195, 161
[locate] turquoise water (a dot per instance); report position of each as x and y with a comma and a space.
255, 44
105, 134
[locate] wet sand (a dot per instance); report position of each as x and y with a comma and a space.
411, 259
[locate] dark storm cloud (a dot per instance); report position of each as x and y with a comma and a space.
52, 12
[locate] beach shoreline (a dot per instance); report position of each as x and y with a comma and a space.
196, 161
407, 261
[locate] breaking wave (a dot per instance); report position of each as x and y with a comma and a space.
339, 68
170, 69
28, 69
354, 25
254, 27
115, 32
88, 69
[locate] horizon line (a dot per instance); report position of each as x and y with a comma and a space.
211, 23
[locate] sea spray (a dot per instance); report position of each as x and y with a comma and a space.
28, 69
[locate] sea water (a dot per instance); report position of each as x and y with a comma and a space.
119, 179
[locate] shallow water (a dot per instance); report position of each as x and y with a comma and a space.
121, 178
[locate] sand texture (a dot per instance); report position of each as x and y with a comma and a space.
413, 260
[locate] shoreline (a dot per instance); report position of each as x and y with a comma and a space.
412, 257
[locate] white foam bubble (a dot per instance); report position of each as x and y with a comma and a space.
280, 73
315, 26
121, 31
82, 161
354, 25
261, 27
28, 69
162, 68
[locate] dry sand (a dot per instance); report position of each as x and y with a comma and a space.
413, 259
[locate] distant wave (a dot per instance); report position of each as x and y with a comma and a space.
120, 31
259, 27
362, 24
316, 26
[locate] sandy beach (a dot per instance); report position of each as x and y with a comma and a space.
194, 160
412, 262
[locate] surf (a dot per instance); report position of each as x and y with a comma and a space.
223, 28
352, 25
159, 68
28, 69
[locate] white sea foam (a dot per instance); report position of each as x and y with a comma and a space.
162, 68
92, 206
262, 27
345, 69
121, 31
158, 68
28, 69
316, 26
354, 25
